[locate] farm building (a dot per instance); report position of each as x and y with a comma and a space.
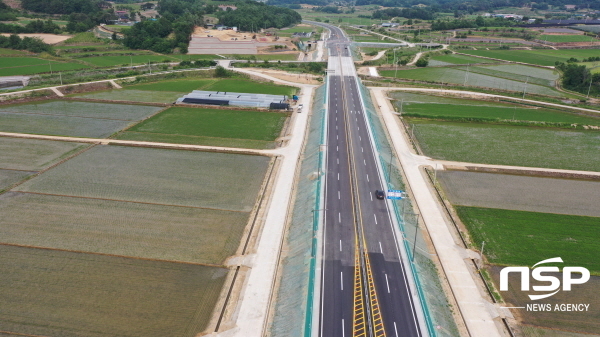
236, 99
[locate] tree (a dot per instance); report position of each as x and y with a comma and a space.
480, 21
422, 62
221, 72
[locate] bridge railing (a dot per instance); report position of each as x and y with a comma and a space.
436, 309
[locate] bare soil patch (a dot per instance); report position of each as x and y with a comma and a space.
47, 38
296, 78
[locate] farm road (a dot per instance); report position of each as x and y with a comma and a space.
106, 141
483, 315
420, 160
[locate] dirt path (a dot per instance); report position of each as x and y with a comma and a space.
419, 54
388, 37
296, 78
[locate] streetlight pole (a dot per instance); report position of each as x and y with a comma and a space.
415, 239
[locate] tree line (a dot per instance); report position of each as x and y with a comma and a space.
33, 44
252, 16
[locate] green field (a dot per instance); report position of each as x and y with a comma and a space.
109, 61
509, 145
524, 238
33, 154
85, 37
261, 57
8, 62
461, 77
544, 57
134, 95
6, 51
507, 112
246, 86
157, 176
210, 127
185, 86
150, 231
55, 293
43, 68
456, 59
566, 38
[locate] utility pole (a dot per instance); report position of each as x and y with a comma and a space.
524, 89
482, 246
466, 75
415, 239
50, 64
60, 74
590, 87
396, 64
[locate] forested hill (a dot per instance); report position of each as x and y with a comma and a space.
452, 5
252, 15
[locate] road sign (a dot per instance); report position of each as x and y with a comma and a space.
395, 194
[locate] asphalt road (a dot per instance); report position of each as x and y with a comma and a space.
349, 144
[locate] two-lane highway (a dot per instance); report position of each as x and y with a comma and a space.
351, 207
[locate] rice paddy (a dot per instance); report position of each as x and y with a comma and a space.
134, 95
509, 145
464, 77
168, 177
184, 86
439, 60
251, 87
523, 238
210, 126
110, 61
524, 193
544, 57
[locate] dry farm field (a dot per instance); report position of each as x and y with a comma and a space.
33, 154
143, 230
57, 293
158, 176
524, 193
475, 76
83, 109
76, 119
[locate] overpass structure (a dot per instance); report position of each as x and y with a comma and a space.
366, 287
